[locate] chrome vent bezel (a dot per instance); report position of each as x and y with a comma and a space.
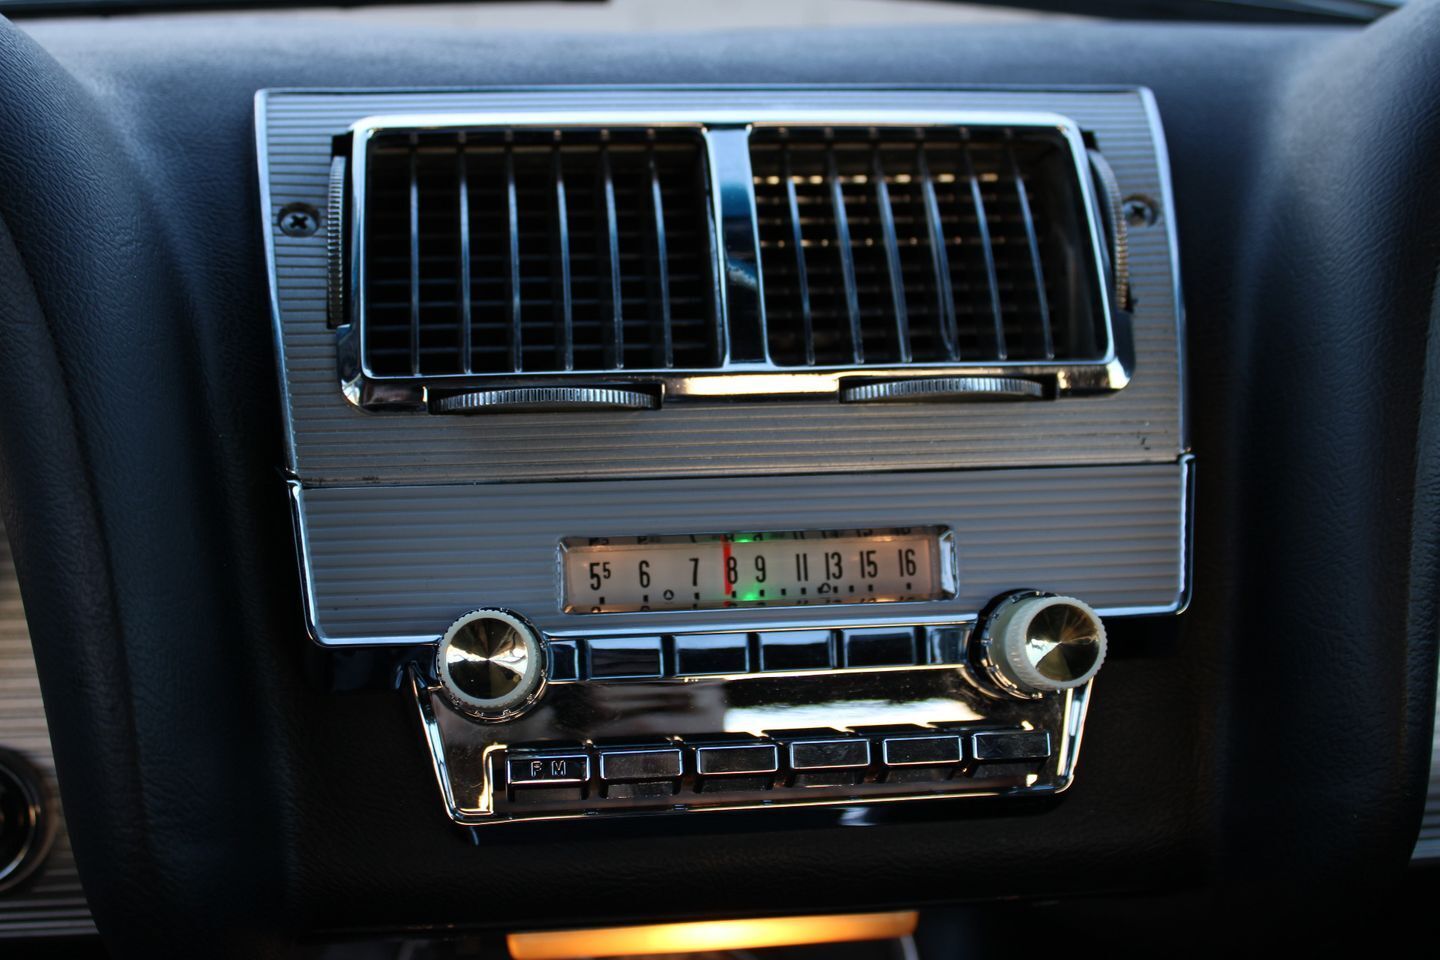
745, 369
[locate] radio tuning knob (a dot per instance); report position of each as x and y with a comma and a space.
491, 664
1035, 644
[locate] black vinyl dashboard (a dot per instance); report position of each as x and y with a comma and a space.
232, 779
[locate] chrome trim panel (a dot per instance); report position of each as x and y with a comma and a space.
334, 442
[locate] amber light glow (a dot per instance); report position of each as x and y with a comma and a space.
710, 935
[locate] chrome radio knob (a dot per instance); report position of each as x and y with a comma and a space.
1035, 644
491, 664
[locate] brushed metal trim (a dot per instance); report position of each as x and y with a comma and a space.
707, 622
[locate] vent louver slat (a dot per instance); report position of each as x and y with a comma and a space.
892, 257
1042, 300
659, 293
512, 273
898, 246
939, 257
463, 210
530, 252
560, 267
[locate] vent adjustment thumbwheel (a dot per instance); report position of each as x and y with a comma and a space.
27, 825
1037, 644
491, 664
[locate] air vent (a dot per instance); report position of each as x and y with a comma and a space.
505, 252
942, 245
638, 261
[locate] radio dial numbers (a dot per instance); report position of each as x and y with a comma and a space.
755, 570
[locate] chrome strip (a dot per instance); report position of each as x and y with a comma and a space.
751, 373
1167, 212
741, 322
1187, 535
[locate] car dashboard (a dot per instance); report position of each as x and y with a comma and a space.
468, 484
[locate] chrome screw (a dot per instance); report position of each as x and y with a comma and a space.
1139, 211
299, 220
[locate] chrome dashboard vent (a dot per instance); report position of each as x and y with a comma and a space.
537, 251
630, 263
922, 246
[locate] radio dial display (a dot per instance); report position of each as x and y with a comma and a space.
792, 568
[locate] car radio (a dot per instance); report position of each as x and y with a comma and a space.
694, 449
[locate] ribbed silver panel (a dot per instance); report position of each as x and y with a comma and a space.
52, 902
1427, 846
333, 442
405, 561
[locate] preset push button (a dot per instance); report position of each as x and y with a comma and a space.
625, 658
1001, 745
880, 647
795, 650
829, 754
622, 765
920, 751
712, 654
740, 759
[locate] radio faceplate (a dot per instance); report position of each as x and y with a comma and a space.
723, 744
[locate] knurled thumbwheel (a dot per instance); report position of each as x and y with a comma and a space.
1045, 644
491, 664
27, 825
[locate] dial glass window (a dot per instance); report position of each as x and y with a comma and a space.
772, 569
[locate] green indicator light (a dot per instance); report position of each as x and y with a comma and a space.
749, 596
744, 538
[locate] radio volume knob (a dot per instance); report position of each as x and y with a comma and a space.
491, 664
1035, 644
